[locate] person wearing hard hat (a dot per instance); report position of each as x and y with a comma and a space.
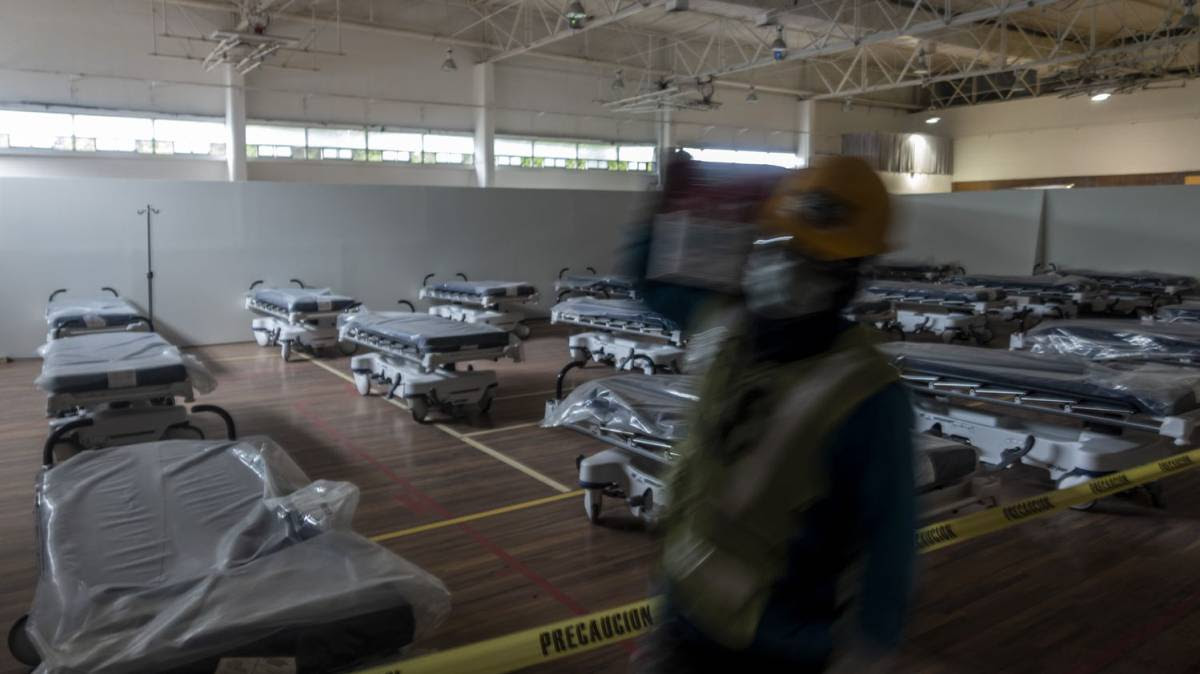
798, 462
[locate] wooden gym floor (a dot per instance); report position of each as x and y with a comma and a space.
1113, 590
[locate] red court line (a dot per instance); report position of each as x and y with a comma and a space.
413, 492
1146, 632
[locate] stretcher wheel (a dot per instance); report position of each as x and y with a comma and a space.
184, 431
1068, 481
521, 330
420, 409
285, 350
485, 403
347, 348
362, 383
262, 338
949, 336
592, 500
983, 336
20, 645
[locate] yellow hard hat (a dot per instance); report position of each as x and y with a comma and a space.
836, 210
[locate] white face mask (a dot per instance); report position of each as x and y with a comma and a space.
779, 284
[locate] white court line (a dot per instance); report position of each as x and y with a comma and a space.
501, 429
465, 439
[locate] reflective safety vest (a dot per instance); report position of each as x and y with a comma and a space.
749, 469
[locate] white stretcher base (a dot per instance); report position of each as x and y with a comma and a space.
509, 321
141, 422
626, 353
137, 326
454, 392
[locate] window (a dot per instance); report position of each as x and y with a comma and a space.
784, 159
65, 131
446, 149
585, 155
279, 142
40, 130
176, 136
102, 133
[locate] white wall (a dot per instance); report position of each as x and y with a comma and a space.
1153, 131
213, 238
70, 165
986, 232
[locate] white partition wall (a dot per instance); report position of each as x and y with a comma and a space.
986, 232
1125, 228
212, 240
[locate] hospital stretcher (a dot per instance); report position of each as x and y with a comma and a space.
606, 286
1183, 312
1074, 418
644, 418
67, 315
1135, 291
619, 332
951, 312
169, 556
485, 302
417, 356
1041, 296
911, 271
119, 388
297, 318
1114, 341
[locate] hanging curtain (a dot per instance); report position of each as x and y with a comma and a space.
902, 152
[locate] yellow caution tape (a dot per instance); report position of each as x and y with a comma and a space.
535, 646
595, 630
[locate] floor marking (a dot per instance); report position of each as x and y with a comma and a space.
526, 395
511, 462
501, 429
475, 516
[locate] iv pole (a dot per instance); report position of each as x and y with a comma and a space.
148, 211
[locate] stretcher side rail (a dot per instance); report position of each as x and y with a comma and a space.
294, 317
58, 404
617, 325
429, 360
485, 301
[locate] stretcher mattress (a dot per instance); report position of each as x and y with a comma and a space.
1148, 388
1184, 311
1148, 280
1048, 283
634, 404
487, 288
932, 292
117, 360
424, 332
619, 310
166, 554
91, 312
303, 300
610, 282
910, 270
1113, 340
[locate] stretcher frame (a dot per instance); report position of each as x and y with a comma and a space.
494, 310
618, 343
427, 381
599, 289
143, 324
311, 331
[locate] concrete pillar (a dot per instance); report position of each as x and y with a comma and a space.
485, 125
235, 124
806, 112
664, 142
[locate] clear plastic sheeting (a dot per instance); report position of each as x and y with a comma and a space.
619, 310
653, 406
118, 360
171, 554
91, 312
1148, 388
424, 332
913, 290
1037, 283
304, 300
1179, 313
1113, 340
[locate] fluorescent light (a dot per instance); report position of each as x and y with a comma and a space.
1102, 96
933, 120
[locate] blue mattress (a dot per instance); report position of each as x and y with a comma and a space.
91, 313
621, 310
1046, 283
303, 300
424, 332
110, 360
487, 288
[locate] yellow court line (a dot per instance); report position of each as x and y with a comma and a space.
514, 427
511, 462
475, 516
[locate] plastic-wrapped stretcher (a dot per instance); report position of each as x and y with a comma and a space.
898, 270
416, 357
1134, 291
1043, 295
645, 417
119, 388
1076, 419
168, 556
67, 315
951, 312
486, 302
623, 333
607, 286
1114, 341
1183, 312
297, 318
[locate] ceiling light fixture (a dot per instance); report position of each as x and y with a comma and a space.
576, 15
779, 48
618, 83
449, 65
1189, 20
933, 120
1101, 96
752, 97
